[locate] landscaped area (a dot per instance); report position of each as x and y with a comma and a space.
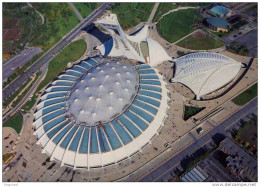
15, 122
86, 9
29, 104
190, 111
59, 20
58, 64
246, 96
130, 14
200, 43
246, 135
176, 25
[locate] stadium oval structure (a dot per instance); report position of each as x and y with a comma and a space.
100, 111
205, 72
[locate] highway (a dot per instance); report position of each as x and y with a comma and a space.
53, 51
164, 172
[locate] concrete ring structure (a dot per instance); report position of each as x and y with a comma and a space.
99, 112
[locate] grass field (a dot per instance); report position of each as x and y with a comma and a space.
58, 64
162, 9
130, 14
86, 9
190, 111
246, 96
177, 24
29, 104
15, 122
200, 44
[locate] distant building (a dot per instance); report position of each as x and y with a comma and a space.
240, 163
220, 11
218, 24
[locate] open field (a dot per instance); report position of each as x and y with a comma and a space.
86, 9
203, 42
15, 122
177, 24
162, 9
130, 14
246, 96
166, 7
58, 64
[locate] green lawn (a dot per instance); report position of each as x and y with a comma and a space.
130, 14
86, 9
29, 104
200, 44
254, 6
58, 64
246, 96
15, 122
190, 111
176, 25
162, 9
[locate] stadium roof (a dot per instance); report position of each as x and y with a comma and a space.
131, 46
219, 10
100, 112
205, 72
217, 22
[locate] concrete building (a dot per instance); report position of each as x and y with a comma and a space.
240, 163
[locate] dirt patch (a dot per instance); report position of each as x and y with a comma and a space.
199, 35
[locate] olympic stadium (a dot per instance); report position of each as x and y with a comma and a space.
109, 107
100, 112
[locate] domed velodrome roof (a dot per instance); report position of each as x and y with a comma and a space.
205, 72
99, 112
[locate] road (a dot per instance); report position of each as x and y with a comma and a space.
14, 110
164, 172
7, 91
153, 13
19, 60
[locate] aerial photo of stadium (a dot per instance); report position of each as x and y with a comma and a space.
130, 92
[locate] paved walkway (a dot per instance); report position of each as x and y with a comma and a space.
76, 11
174, 10
152, 13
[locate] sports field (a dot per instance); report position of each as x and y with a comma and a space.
200, 41
130, 14
177, 24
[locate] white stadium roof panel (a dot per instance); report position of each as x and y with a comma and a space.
205, 72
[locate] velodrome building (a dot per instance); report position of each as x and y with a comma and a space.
105, 110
